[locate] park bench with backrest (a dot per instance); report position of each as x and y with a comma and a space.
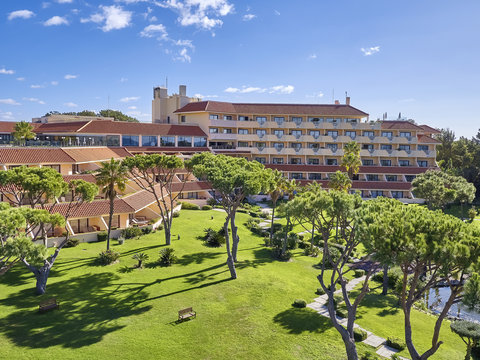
47, 305
185, 314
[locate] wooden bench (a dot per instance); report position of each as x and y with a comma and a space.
185, 314
47, 305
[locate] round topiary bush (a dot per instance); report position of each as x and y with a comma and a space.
358, 273
108, 257
206, 207
299, 303
320, 291
359, 334
396, 343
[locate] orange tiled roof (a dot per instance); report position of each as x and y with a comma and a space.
87, 154
430, 130
7, 126
94, 208
26, 155
86, 177
400, 125
427, 140
274, 109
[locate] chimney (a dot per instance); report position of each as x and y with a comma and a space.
347, 100
182, 90
337, 102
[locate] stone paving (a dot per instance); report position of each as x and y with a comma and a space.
319, 305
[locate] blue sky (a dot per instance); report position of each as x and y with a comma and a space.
419, 58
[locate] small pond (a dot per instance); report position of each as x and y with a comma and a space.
436, 299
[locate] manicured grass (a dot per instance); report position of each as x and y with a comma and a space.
118, 311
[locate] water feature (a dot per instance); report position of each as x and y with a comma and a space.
436, 299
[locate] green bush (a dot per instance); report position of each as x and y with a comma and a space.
131, 232
335, 254
472, 213
370, 356
396, 343
337, 300
309, 251
121, 241
189, 206
358, 273
167, 257
299, 303
146, 230
107, 257
277, 254
395, 357
176, 214
303, 244
343, 313
212, 202
264, 215
71, 242
206, 207
292, 240
160, 227
320, 291
214, 238
141, 258
359, 334
102, 236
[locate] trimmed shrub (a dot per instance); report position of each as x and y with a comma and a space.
167, 257
303, 244
212, 202
102, 236
277, 254
343, 313
308, 251
214, 238
206, 207
176, 214
121, 241
189, 206
358, 273
299, 303
108, 257
132, 232
320, 291
160, 227
146, 230
71, 242
292, 240
370, 356
472, 213
359, 334
396, 343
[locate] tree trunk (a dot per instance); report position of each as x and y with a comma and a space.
271, 223
285, 239
313, 236
41, 275
408, 334
112, 199
385, 280
235, 238
168, 234
350, 347
230, 262
469, 351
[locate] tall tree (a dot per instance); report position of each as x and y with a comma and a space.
158, 175
429, 247
276, 192
351, 158
339, 181
469, 332
290, 189
23, 132
112, 175
118, 115
234, 179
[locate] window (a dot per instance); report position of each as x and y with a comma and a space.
314, 133
387, 134
129, 140
332, 162
184, 141
296, 176
243, 118
313, 161
261, 120
213, 130
352, 121
386, 147
279, 119
367, 147
404, 162
167, 140
332, 147
279, 133
260, 145
423, 147
313, 146
352, 134
367, 162
261, 133
332, 133
376, 193
227, 117
199, 141
295, 145
315, 119
54, 167
386, 162
314, 176
422, 163
295, 161
297, 120
405, 134
278, 146
397, 194
113, 140
182, 118
243, 131
278, 161
329, 120
213, 117
261, 160
242, 144
391, 177
409, 178
148, 140
372, 177
227, 131
368, 133
296, 133
404, 147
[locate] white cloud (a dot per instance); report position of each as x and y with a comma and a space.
20, 14
70, 104
9, 102
131, 98
205, 96
184, 43
113, 17
36, 86
45, 4
64, 1
315, 95
184, 56
276, 12
70, 77
312, 56
54, 83
201, 13
8, 115
279, 89
122, 80
21, 79
132, 107
155, 30
248, 17
6, 72
370, 51
41, 102
56, 20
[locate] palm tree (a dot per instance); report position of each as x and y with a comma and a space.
111, 176
351, 158
340, 181
23, 132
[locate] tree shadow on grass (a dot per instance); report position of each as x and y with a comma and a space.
198, 258
88, 311
297, 321
387, 305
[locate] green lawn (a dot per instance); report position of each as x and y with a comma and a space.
130, 313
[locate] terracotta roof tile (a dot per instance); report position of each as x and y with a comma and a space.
400, 125
430, 130
95, 208
86, 177
89, 154
61, 127
7, 126
27, 155
427, 140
